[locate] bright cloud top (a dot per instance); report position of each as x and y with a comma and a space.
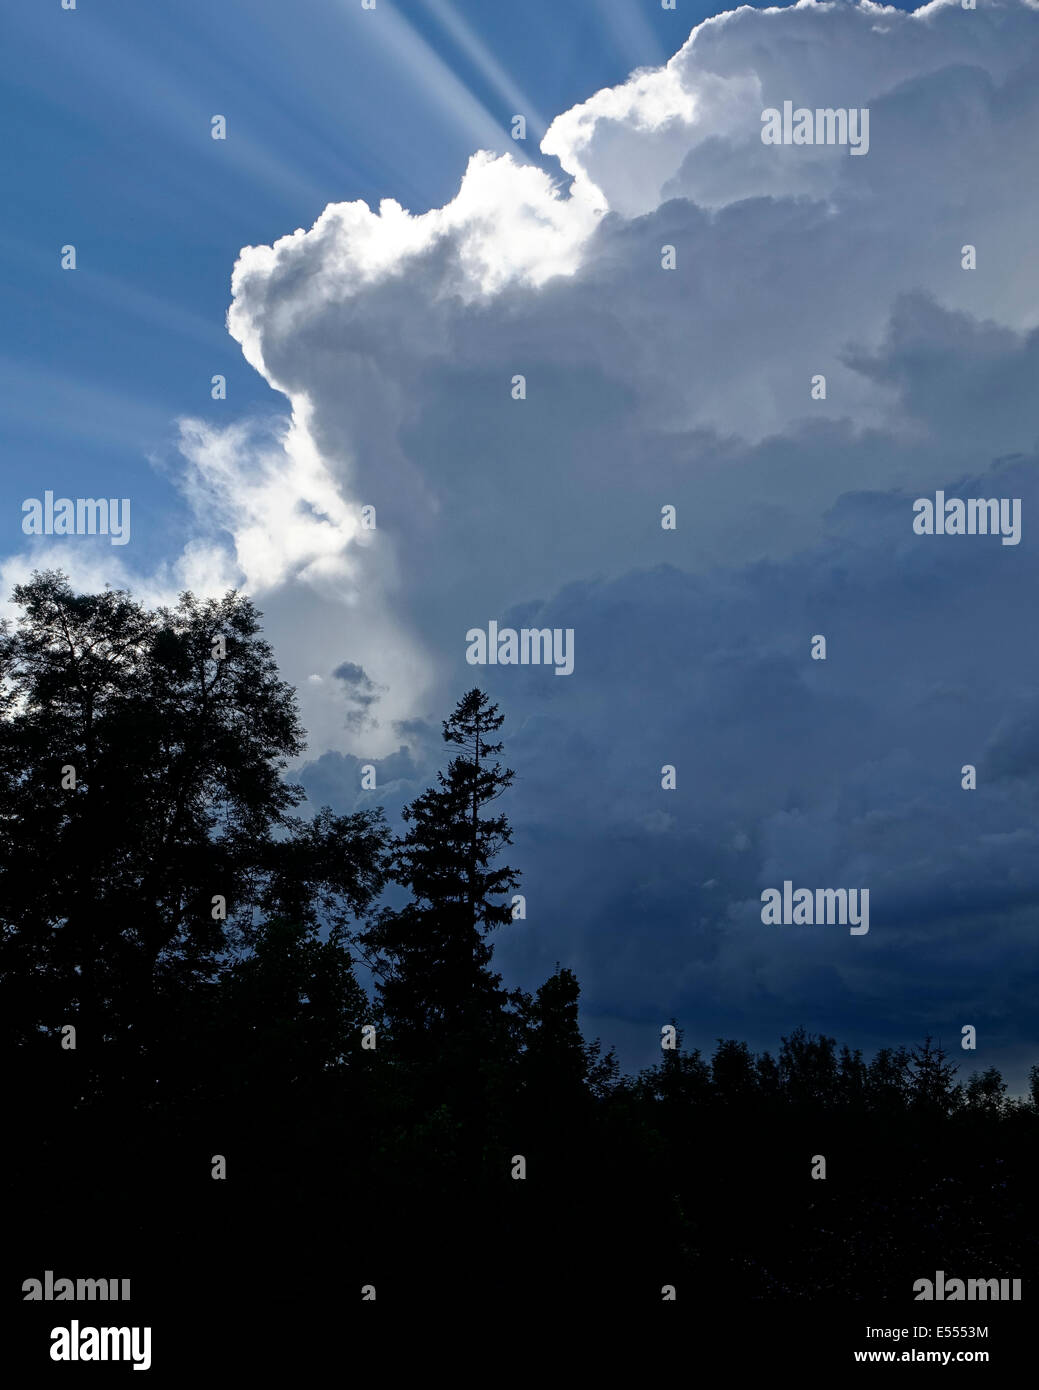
402, 332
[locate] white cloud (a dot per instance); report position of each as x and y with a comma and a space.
640, 142
403, 333
395, 338
276, 499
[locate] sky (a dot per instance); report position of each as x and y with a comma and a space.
369, 259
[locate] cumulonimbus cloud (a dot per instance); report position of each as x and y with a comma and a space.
398, 339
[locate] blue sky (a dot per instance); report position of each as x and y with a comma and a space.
394, 340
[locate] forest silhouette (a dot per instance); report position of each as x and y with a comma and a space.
161, 893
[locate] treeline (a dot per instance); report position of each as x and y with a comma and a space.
811, 1074
204, 1095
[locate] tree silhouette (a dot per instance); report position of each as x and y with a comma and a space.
931, 1089
808, 1068
888, 1080
148, 830
985, 1092
143, 757
436, 986
733, 1072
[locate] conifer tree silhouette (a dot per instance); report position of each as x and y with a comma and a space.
932, 1090
436, 987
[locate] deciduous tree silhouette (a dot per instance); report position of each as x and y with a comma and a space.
114, 875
